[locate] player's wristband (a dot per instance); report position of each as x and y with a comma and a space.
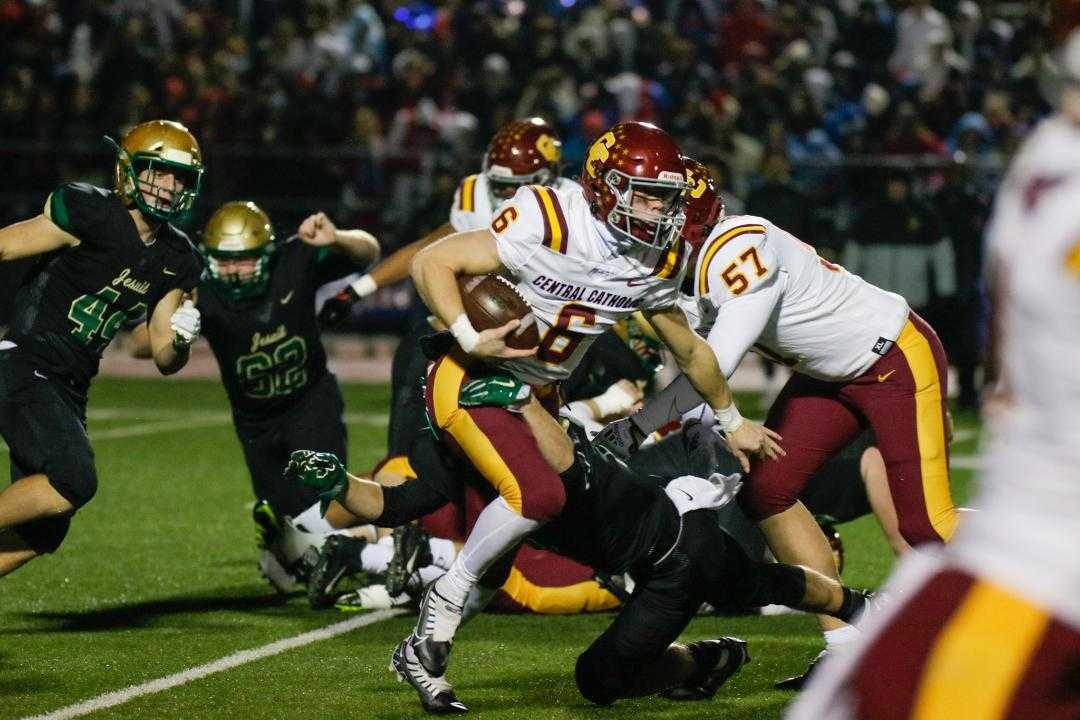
465, 333
613, 400
363, 286
728, 419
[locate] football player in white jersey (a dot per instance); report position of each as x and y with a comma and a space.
860, 357
584, 257
991, 623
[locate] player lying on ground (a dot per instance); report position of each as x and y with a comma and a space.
107, 256
257, 303
668, 539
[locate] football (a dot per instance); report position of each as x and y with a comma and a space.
492, 301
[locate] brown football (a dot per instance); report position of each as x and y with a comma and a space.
492, 301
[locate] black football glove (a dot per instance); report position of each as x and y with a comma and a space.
337, 308
619, 440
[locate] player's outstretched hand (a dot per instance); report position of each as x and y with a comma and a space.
752, 438
317, 230
619, 440
492, 343
320, 470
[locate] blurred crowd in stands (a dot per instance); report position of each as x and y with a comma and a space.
876, 130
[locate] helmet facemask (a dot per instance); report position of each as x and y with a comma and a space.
502, 185
653, 229
237, 287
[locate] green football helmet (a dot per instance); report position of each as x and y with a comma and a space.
163, 146
239, 230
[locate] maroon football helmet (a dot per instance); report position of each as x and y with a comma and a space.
523, 152
630, 160
704, 206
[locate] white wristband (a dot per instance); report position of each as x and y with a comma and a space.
614, 400
465, 333
364, 286
728, 419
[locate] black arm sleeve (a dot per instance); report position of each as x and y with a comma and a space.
669, 404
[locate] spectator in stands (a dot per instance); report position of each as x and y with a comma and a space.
776, 198
898, 243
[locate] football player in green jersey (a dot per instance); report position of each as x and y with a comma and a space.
106, 255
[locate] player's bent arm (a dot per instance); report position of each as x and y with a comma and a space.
168, 355
739, 323
396, 267
35, 236
693, 356
139, 342
361, 246
436, 267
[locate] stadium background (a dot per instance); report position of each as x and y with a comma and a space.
372, 112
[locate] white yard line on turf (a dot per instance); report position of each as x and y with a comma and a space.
201, 420
119, 697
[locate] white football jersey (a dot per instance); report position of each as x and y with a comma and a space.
759, 286
1027, 528
474, 206
577, 277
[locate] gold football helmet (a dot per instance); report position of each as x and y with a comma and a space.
239, 230
160, 146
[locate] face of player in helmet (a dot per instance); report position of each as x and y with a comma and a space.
237, 269
160, 186
649, 211
502, 187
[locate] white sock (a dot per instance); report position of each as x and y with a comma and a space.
841, 636
498, 529
375, 557
312, 521
443, 552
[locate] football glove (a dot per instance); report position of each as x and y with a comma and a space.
497, 390
186, 323
619, 440
320, 470
338, 307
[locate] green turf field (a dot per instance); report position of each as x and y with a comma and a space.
158, 576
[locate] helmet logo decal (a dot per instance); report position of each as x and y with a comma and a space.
549, 148
599, 152
699, 184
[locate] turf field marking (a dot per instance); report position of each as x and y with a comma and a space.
119, 697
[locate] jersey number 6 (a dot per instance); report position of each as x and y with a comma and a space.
559, 342
735, 279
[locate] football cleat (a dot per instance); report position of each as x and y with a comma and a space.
411, 552
281, 579
435, 692
267, 524
371, 597
717, 660
436, 624
797, 682
338, 558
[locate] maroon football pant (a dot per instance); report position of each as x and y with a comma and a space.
964, 647
902, 398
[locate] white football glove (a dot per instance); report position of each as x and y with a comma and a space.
186, 323
690, 492
727, 486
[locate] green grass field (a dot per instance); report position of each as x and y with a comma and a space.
158, 576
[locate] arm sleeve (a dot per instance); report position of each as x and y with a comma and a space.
519, 229
82, 210
739, 323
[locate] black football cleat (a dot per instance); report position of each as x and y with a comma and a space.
338, 558
411, 552
267, 524
797, 682
718, 660
435, 692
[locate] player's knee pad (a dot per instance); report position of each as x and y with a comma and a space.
543, 498
597, 681
45, 535
916, 528
761, 499
76, 480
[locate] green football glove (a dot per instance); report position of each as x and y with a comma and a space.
320, 470
498, 390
